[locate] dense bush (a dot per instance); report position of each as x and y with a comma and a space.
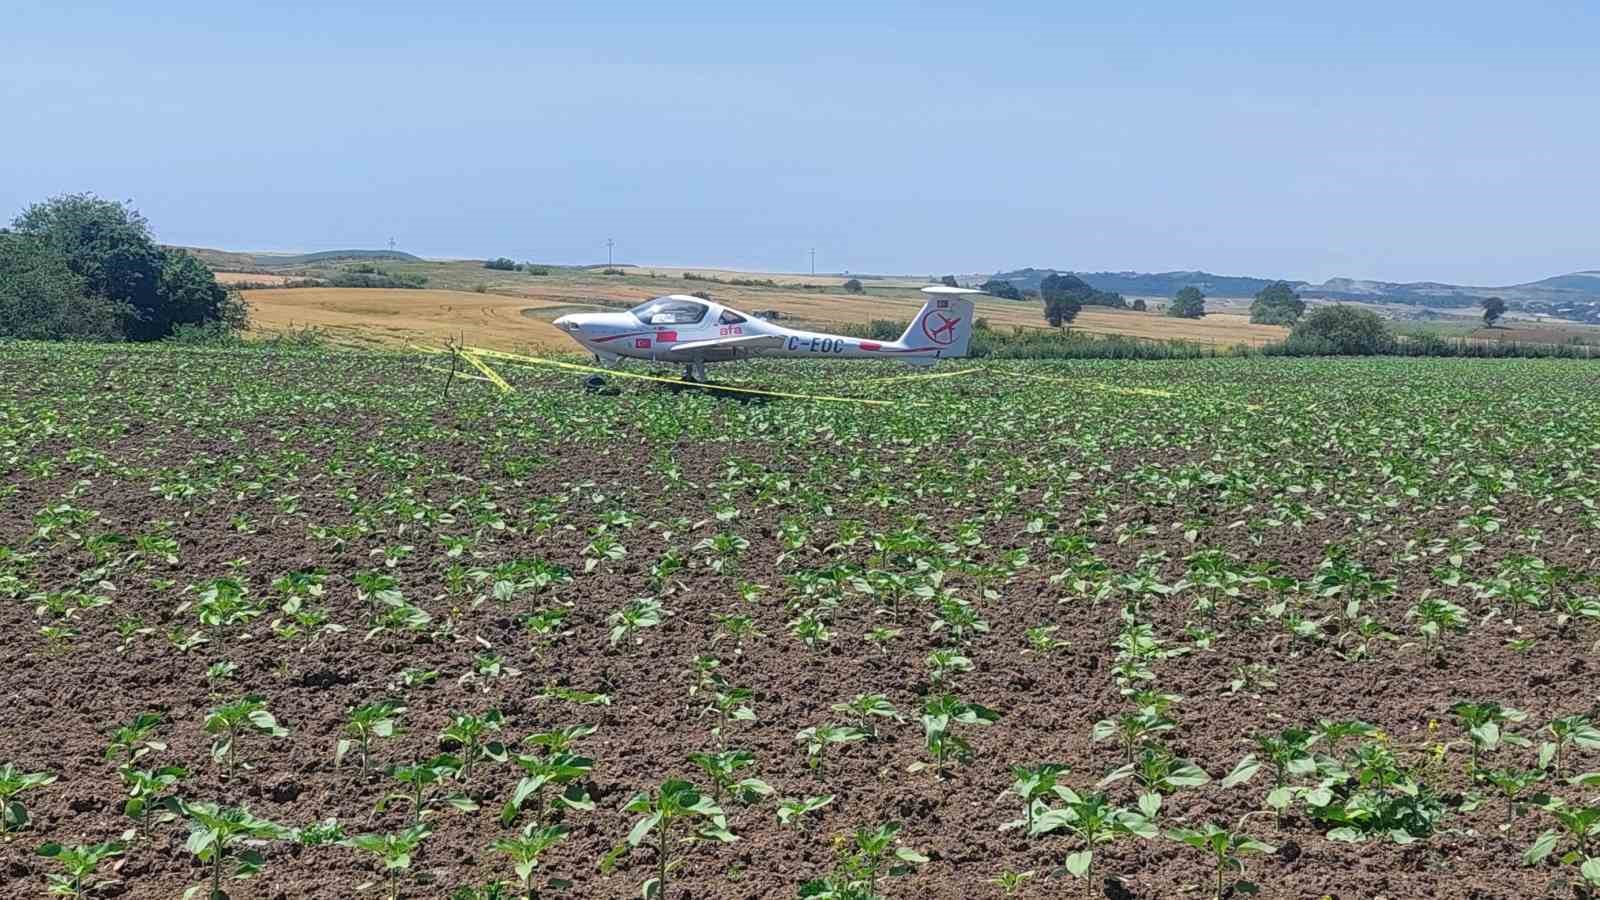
370, 275
1344, 330
78, 267
1005, 290
1188, 303
501, 263
853, 286
1277, 304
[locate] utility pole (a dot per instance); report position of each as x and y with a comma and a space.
609, 242
813, 260
391, 245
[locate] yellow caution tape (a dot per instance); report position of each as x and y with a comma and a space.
926, 377
1116, 389
467, 375
488, 373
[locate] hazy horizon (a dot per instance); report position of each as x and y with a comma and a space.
1436, 142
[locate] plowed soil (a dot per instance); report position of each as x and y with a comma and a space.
241, 458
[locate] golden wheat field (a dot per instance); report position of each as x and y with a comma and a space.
249, 278
379, 317
518, 316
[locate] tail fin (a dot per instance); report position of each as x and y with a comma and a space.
944, 324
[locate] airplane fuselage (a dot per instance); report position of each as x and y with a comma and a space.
690, 331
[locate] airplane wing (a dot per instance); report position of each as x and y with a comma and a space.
741, 342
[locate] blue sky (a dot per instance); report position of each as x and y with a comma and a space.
1402, 141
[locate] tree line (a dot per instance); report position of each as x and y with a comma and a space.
76, 267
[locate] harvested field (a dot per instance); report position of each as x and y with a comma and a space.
250, 278
378, 317
381, 317
1192, 569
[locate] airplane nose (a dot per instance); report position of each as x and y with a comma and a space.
565, 323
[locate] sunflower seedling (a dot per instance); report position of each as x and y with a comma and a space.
796, 811
559, 769
1033, 784
218, 836
1512, 785
876, 854
818, 738
1566, 732
13, 783
1483, 722
939, 716
229, 722
1095, 822
1159, 769
661, 811
131, 741
1226, 848
1288, 754
424, 786
1133, 729
378, 719
723, 770
627, 622
393, 849
866, 708
468, 734
1581, 824
79, 864
145, 790
525, 849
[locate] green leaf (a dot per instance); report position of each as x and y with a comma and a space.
1078, 863
1150, 804
1346, 835
1243, 772
642, 828
1590, 870
1280, 798
909, 855
1541, 847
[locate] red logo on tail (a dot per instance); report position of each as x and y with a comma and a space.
943, 333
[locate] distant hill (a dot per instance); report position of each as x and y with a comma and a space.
1141, 284
1572, 296
226, 260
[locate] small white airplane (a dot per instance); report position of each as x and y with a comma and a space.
681, 329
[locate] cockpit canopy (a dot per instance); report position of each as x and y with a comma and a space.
670, 310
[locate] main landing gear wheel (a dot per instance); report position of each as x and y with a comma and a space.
695, 372
597, 384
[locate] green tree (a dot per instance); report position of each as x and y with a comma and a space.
1343, 330
41, 298
1005, 290
1139, 305
853, 286
190, 295
108, 249
1277, 304
1188, 303
1063, 298
1493, 309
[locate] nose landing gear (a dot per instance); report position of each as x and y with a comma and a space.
695, 372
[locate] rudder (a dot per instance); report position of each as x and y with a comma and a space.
944, 323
